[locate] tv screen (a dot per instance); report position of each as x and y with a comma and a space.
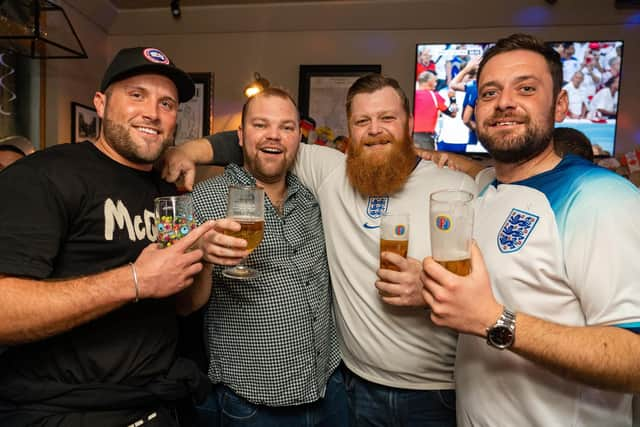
445, 81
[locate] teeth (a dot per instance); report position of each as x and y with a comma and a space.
148, 130
272, 150
506, 123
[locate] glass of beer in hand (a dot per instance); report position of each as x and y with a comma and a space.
451, 225
245, 205
394, 237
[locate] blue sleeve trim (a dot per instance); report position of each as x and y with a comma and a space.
632, 327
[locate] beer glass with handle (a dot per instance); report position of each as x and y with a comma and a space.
451, 226
394, 237
245, 205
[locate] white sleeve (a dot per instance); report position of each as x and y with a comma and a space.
601, 244
314, 163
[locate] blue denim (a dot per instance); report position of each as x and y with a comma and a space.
381, 406
224, 408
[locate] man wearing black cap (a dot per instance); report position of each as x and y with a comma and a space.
86, 299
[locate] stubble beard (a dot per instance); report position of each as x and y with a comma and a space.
520, 148
119, 138
372, 174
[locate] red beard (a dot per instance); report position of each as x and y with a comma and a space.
380, 174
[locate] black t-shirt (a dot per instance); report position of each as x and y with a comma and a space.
71, 211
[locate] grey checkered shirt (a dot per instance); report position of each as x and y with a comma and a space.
272, 339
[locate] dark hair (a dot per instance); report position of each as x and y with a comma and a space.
521, 41
572, 141
370, 83
270, 91
609, 82
12, 148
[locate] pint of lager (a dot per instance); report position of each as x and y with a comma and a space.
451, 226
394, 237
251, 230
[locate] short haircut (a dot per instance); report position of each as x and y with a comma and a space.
12, 148
370, 83
426, 76
270, 91
527, 42
572, 141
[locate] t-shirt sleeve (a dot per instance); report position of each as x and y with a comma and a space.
314, 163
602, 243
226, 148
33, 223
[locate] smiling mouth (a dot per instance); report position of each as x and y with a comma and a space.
271, 150
147, 130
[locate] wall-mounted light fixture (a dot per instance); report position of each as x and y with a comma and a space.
175, 9
38, 29
258, 85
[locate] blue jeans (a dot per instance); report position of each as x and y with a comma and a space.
224, 408
381, 406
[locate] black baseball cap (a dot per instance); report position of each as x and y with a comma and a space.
147, 60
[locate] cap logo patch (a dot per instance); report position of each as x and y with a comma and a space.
156, 55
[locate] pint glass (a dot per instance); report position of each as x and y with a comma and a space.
451, 225
394, 237
174, 218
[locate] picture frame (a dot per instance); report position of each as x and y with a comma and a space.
322, 91
195, 117
85, 123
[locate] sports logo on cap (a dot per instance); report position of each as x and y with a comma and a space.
156, 55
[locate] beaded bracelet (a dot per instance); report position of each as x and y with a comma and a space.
135, 280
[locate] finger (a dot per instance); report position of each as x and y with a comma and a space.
190, 239
477, 260
189, 177
436, 272
442, 161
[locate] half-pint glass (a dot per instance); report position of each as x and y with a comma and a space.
394, 237
451, 225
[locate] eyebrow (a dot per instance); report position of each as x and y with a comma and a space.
144, 89
518, 79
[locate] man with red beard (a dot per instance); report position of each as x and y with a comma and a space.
398, 364
271, 340
87, 309
549, 314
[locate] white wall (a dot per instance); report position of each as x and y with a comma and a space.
235, 41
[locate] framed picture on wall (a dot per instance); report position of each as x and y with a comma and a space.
195, 117
85, 124
322, 90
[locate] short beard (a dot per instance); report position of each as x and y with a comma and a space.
380, 175
521, 148
119, 139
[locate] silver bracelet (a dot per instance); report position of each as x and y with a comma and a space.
135, 281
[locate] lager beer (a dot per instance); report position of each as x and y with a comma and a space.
461, 267
399, 247
251, 230
451, 227
394, 237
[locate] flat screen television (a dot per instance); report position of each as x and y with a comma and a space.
591, 72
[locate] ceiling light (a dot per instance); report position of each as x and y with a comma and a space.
258, 85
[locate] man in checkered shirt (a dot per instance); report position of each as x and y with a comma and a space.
271, 340
399, 364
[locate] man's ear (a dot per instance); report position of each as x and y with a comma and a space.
100, 101
240, 136
562, 106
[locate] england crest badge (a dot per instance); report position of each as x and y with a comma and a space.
377, 206
516, 230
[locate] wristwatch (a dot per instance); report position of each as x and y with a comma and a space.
503, 333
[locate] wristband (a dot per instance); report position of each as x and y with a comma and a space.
135, 281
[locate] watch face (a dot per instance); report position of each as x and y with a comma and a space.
500, 336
